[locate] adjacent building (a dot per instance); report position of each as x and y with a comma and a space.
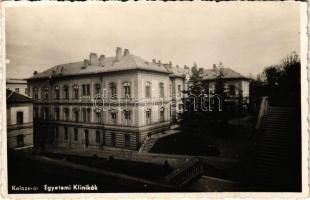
104, 101
17, 85
236, 87
19, 120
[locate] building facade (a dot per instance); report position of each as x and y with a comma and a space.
236, 87
17, 85
103, 102
19, 120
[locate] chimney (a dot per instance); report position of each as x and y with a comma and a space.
35, 72
86, 62
126, 52
214, 66
118, 53
170, 64
154, 61
185, 67
93, 59
159, 63
101, 60
177, 66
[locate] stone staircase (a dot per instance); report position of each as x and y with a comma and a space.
148, 144
276, 150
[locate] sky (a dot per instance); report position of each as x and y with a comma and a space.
244, 36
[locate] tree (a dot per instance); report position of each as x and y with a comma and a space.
283, 81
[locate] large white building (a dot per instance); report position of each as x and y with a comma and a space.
135, 98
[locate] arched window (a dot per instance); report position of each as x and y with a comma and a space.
148, 89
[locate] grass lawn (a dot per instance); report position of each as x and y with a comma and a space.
185, 144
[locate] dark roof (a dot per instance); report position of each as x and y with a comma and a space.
110, 64
212, 74
14, 97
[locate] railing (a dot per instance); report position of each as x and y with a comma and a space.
262, 111
184, 174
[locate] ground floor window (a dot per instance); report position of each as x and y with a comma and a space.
97, 136
86, 138
113, 139
66, 133
20, 140
56, 132
127, 140
76, 136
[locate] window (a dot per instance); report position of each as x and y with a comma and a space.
56, 112
148, 116
45, 93
26, 91
113, 117
35, 93
98, 117
76, 91
66, 133
97, 88
180, 107
113, 90
232, 90
179, 90
86, 138
86, 114
56, 132
76, 115
85, 89
76, 134
127, 116
66, 114
19, 117
66, 92
57, 93
17, 90
35, 112
170, 90
113, 139
97, 136
127, 140
126, 86
148, 90
88, 89
45, 113
162, 114
161, 90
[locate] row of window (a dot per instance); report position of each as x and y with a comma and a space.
228, 89
100, 136
86, 115
86, 90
